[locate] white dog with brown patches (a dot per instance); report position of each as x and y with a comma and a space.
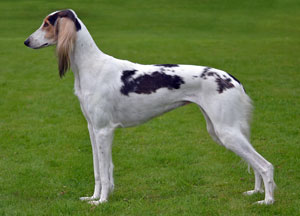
117, 93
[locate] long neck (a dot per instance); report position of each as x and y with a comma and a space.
84, 57
85, 50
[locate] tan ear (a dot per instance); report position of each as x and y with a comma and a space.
66, 35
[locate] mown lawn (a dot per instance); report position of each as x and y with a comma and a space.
168, 166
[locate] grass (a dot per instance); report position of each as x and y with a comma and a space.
169, 166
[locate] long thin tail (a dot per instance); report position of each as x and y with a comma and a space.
246, 111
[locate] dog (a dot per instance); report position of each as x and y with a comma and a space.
117, 93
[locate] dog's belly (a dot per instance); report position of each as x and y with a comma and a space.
137, 110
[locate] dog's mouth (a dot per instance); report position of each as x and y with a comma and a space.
44, 45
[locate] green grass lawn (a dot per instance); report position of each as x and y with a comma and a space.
170, 165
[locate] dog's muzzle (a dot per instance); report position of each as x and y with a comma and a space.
27, 42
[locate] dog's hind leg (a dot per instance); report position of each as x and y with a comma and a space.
210, 127
258, 185
258, 179
235, 141
227, 119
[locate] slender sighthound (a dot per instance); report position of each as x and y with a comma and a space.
118, 93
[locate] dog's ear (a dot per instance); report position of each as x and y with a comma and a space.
66, 35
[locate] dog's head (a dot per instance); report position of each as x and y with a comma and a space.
58, 28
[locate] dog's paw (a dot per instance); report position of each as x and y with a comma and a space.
265, 202
88, 198
97, 202
251, 192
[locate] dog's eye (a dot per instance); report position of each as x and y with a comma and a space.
46, 24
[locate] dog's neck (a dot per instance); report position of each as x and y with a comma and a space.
85, 50
85, 57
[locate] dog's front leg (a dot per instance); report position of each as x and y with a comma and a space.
97, 188
104, 138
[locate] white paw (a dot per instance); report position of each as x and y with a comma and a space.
265, 202
251, 192
97, 202
88, 198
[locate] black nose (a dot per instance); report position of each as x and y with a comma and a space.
27, 42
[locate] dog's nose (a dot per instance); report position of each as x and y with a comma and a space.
27, 42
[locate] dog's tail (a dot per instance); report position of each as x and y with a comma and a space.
246, 112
